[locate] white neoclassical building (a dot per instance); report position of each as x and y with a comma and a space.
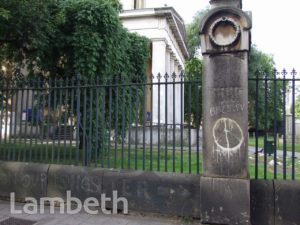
168, 46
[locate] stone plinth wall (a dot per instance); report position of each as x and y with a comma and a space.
273, 202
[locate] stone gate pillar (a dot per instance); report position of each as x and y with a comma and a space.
225, 43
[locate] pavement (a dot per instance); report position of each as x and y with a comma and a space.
83, 218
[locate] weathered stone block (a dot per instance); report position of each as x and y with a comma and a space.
83, 182
156, 192
262, 202
25, 179
287, 202
224, 201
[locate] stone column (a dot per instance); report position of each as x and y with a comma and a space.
167, 79
177, 92
225, 43
158, 67
180, 97
168, 61
170, 90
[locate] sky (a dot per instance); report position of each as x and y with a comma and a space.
275, 31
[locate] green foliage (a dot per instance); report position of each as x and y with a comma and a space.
91, 41
297, 107
63, 38
24, 25
192, 31
4, 14
193, 68
193, 71
266, 65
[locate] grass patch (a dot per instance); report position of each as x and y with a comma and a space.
251, 142
136, 159
139, 159
270, 168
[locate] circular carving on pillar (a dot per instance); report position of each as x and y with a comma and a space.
224, 32
227, 134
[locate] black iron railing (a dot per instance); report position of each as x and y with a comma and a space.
142, 123
134, 122
272, 99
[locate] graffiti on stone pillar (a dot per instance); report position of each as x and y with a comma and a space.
228, 136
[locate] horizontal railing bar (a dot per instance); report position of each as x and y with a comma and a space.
277, 79
98, 86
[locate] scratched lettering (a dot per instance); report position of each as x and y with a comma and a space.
226, 94
226, 108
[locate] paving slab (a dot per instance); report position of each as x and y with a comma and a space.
82, 218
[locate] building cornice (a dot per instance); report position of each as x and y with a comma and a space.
173, 18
